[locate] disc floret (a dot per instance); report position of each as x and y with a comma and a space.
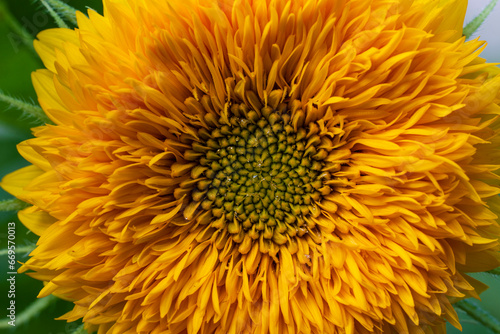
259, 176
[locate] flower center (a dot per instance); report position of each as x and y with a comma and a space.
262, 177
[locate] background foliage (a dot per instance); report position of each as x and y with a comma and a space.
17, 61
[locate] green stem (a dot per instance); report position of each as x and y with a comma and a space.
19, 250
473, 25
30, 312
479, 314
12, 205
28, 108
14, 25
64, 10
60, 23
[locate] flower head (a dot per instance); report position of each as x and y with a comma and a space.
263, 166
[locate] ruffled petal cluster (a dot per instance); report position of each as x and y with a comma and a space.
258, 166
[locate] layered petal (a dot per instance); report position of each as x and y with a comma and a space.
264, 166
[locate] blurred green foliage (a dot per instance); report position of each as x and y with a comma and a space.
17, 61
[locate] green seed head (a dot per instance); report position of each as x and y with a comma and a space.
260, 176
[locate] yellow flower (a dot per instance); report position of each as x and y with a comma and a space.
305, 166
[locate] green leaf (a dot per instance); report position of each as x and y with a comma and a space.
479, 314
62, 10
80, 330
495, 271
60, 23
28, 109
18, 250
12, 205
30, 312
473, 25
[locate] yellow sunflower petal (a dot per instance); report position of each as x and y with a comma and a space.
48, 41
264, 166
43, 82
36, 220
453, 17
15, 183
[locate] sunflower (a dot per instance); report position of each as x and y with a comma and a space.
305, 166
